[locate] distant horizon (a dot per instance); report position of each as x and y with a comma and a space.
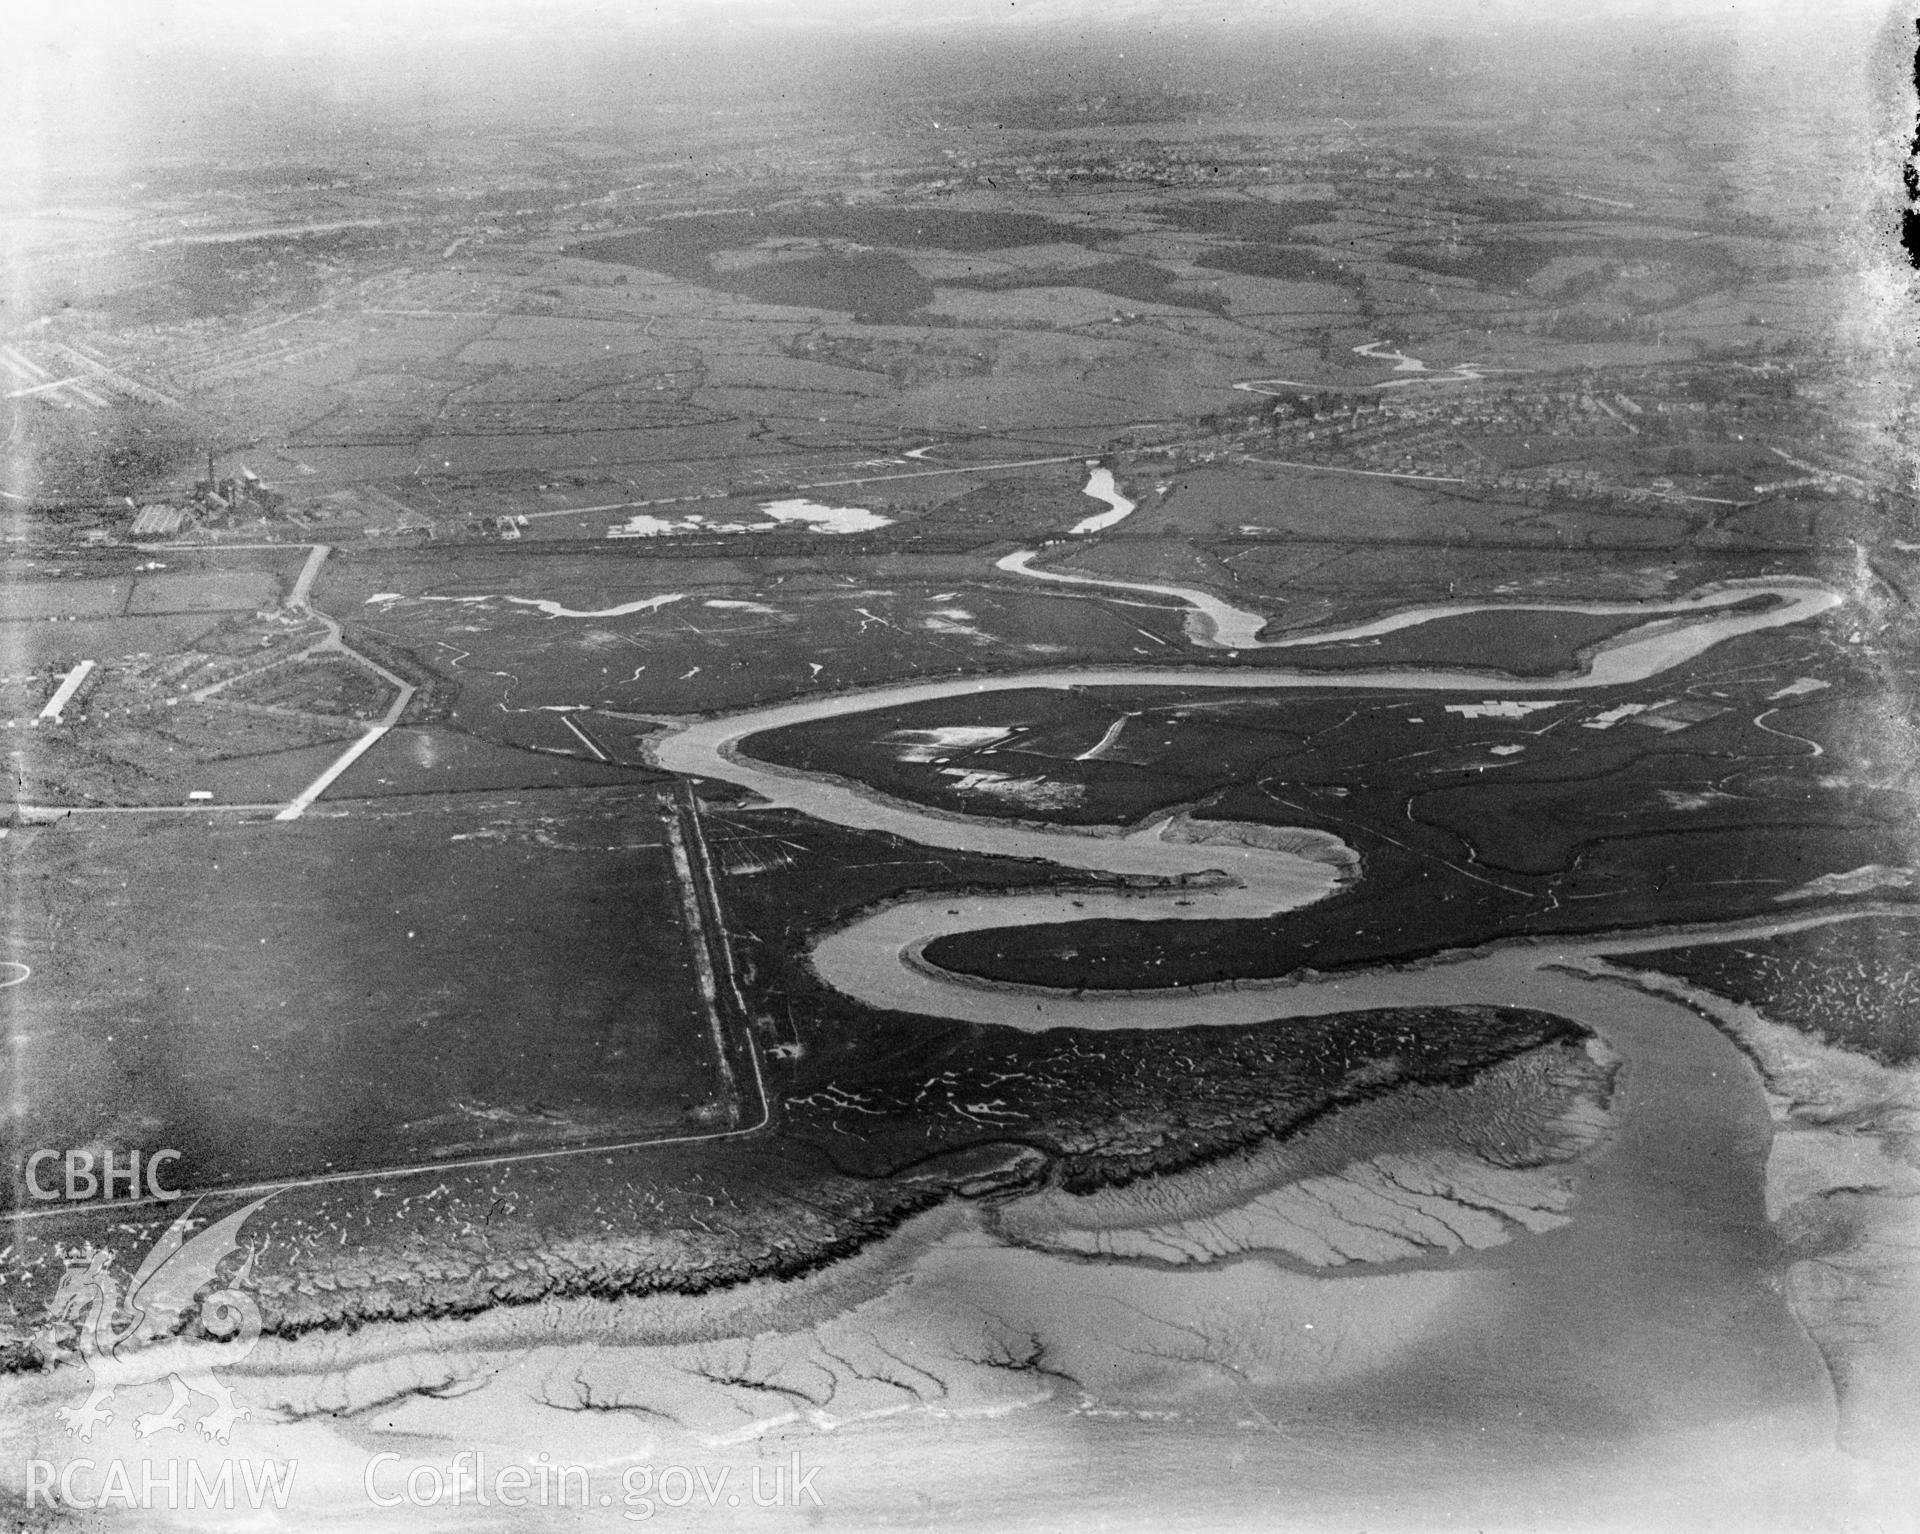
108, 84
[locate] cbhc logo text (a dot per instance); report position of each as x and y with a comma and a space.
88, 1176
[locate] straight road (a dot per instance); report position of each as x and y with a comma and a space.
299, 598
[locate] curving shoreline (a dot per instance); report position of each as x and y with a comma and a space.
1691, 1141
1654, 1300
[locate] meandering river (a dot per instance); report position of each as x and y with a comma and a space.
1216, 625
876, 958
1633, 1368
1654, 1302
1101, 486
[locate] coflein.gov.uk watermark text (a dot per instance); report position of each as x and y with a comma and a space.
642, 1490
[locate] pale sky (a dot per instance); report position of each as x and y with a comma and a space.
100, 69
42, 23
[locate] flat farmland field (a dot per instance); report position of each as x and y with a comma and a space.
1308, 504
494, 974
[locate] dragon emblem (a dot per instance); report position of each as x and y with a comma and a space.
130, 1338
